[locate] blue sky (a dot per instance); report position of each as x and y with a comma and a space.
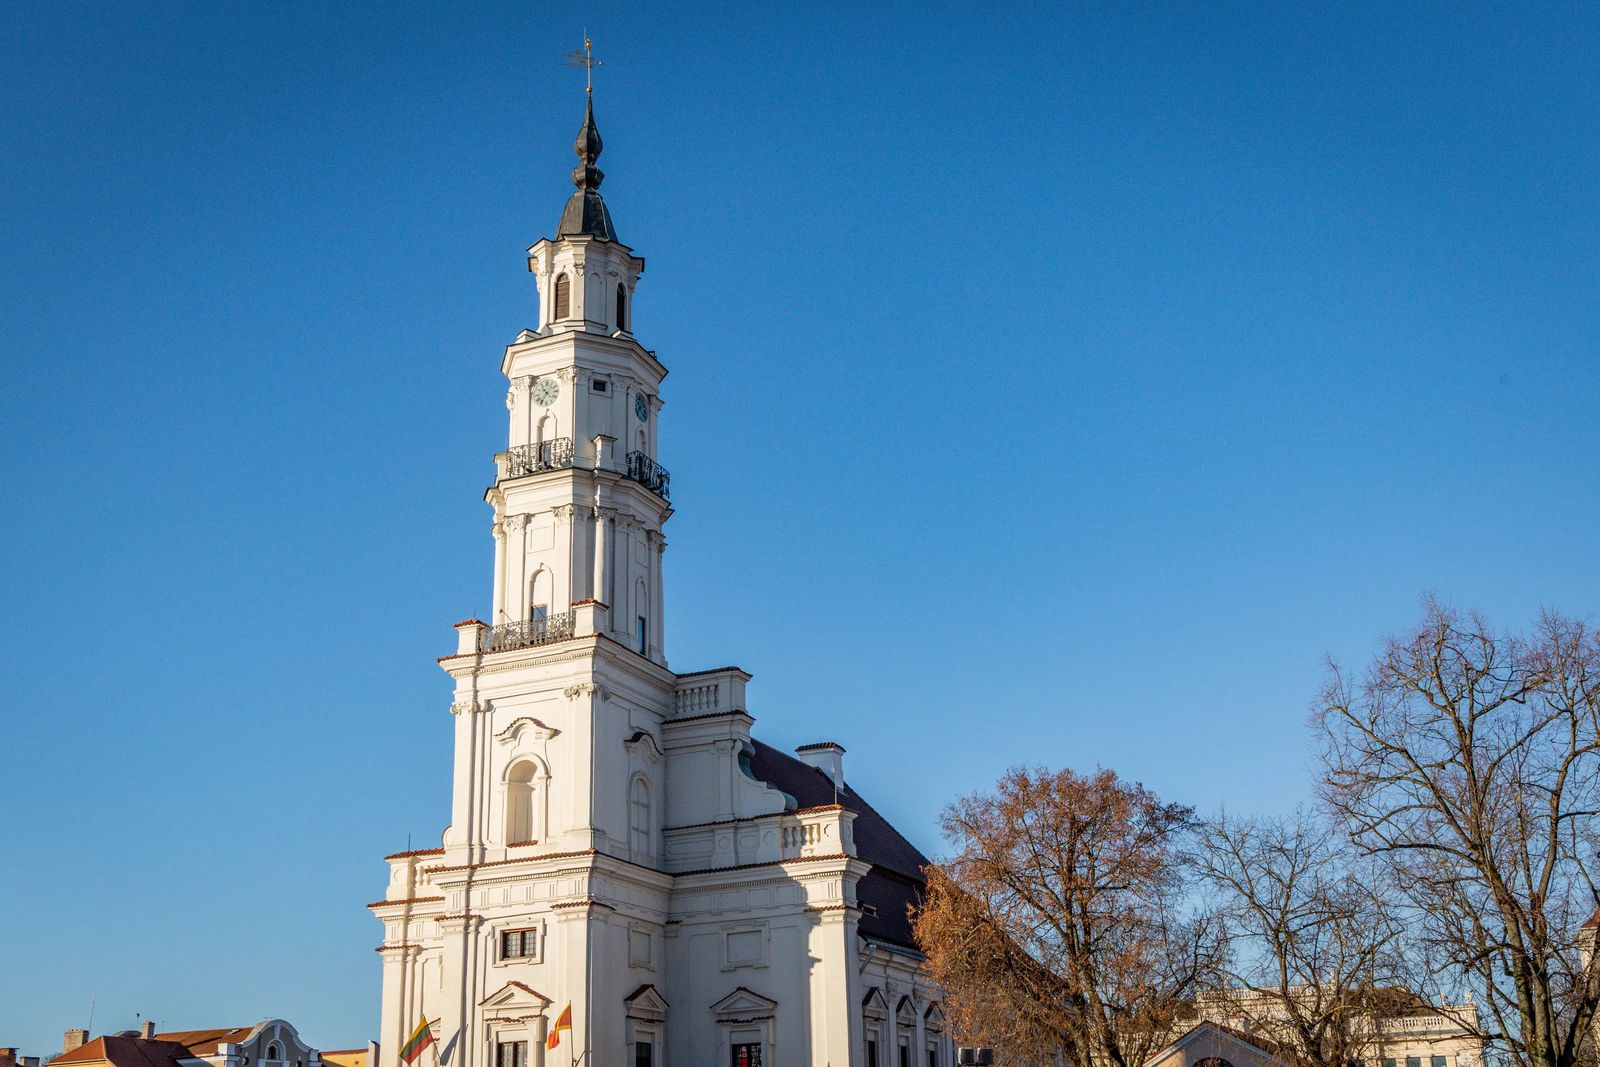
1058, 383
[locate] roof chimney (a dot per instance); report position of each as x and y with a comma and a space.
74, 1039
827, 757
8, 1057
147, 1029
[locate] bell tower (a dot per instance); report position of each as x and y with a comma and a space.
579, 496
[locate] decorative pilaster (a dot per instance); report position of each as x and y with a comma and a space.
499, 569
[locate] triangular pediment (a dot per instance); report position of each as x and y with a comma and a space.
934, 1016
1209, 1041
874, 1004
517, 995
744, 1002
646, 1002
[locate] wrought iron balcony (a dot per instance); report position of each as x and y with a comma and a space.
535, 459
529, 632
650, 474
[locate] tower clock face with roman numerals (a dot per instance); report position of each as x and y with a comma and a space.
545, 391
641, 409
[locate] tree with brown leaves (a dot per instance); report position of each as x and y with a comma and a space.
1058, 927
1468, 762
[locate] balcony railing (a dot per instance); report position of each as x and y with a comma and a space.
529, 632
537, 458
650, 474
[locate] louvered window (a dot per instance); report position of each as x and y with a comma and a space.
563, 297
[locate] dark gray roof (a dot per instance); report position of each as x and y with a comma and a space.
895, 883
585, 214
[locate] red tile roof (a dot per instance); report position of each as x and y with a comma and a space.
127, 1052
205, 1042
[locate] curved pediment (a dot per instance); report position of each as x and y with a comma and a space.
527, 726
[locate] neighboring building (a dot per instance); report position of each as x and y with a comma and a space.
618, 840
10, 1057
349, 1057
269, 1043
1210, 1044
1418, 1036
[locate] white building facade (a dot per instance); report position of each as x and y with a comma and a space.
618, 841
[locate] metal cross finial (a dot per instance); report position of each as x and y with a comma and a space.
585, 59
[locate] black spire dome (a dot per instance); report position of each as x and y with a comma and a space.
585, 214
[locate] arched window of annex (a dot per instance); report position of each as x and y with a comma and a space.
524, 780
639, 818
563, 298
622, 307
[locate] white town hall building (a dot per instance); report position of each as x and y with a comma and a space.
618, 840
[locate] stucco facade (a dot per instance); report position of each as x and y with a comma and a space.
618, 840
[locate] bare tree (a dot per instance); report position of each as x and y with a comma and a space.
1468, 761
1311, 947
1056, 927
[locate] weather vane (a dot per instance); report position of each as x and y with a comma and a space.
586, 60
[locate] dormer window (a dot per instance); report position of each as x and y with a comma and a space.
563, 297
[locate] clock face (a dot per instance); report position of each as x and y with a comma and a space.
545, 391
641, 410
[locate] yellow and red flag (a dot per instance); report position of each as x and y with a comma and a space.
563, 1022
419, 1040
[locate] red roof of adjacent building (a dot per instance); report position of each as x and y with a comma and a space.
205, 1042
127, 1052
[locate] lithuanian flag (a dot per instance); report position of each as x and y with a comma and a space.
420, 1039
563, 1022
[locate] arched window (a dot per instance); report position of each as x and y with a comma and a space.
274, 1052
544, 434
639, 818
522, 802
563, 297
641, 606
539, 598
622, 307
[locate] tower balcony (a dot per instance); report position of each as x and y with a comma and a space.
650, 474
529, 632
555, 454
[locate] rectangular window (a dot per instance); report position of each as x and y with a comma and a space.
1413, 1061
905, 1054
747, 1055
1388, 1063
1438, 1061
933, 1057
872, 1053
643, 1053
600, 385
518, 944
641, 633
511, 1054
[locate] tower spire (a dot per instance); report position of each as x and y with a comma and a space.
585, 214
